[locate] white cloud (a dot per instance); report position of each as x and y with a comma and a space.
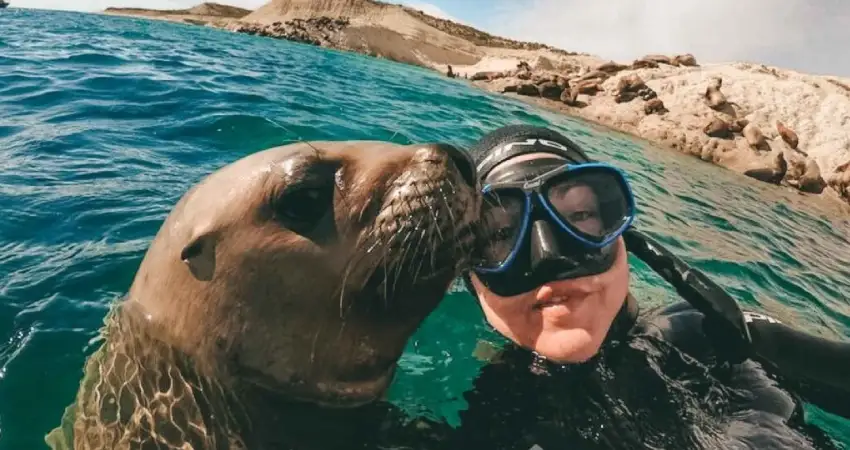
802, 34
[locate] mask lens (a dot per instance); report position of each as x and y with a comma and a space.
593, 202
501, 220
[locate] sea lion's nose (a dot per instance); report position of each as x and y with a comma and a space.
461, 159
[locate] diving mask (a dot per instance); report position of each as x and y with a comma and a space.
547, 219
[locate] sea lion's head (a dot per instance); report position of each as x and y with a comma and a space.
304, 269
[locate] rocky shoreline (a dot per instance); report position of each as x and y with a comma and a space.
774, 125
718, 113
319, 31
645, 99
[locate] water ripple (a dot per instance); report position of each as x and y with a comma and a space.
106, 121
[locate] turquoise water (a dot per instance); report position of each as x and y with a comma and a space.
105, 122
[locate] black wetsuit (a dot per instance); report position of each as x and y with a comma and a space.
658, 383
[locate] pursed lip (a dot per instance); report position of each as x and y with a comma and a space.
561, 293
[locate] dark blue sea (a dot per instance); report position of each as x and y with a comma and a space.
105, 122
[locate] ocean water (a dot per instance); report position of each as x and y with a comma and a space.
105, 122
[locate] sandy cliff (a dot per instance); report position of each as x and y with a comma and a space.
659, 98
214, 14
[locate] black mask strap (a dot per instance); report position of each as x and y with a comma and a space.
692, 285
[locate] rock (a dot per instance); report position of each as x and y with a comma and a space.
510, 88
543, 63
319, 31
528, 89
524, 75
647, 93
687, 59
773, 173
611, 67
625, 97
710, 150
450, 73
788, 135
812, 182
644, 64
755, 138
523, 66
718, 128
550, 90
654, 106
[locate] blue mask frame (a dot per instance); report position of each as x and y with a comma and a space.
537, 186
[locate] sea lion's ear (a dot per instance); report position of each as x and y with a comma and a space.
199, 255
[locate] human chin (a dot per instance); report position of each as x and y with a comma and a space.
571, 345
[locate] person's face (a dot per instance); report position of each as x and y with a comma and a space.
566, 320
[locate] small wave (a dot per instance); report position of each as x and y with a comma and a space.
89, 59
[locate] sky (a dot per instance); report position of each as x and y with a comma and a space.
807, 35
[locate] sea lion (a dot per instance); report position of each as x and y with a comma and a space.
528, 89
737, 126
755, 138
713, 97
569, 96
654, 105
772, 175
278, 294
550, 90
662, 59
644, 64
588, 87
788, 135
687, 60
596, 75
611, 67
812, 182
628, 88
717, 128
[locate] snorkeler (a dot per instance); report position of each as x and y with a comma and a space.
584, 366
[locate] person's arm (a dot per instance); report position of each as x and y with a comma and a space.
818, 369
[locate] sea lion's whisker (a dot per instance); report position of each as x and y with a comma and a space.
417, 230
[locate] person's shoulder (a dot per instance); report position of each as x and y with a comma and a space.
679, 324
663, 320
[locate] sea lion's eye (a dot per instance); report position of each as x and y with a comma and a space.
300, 209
